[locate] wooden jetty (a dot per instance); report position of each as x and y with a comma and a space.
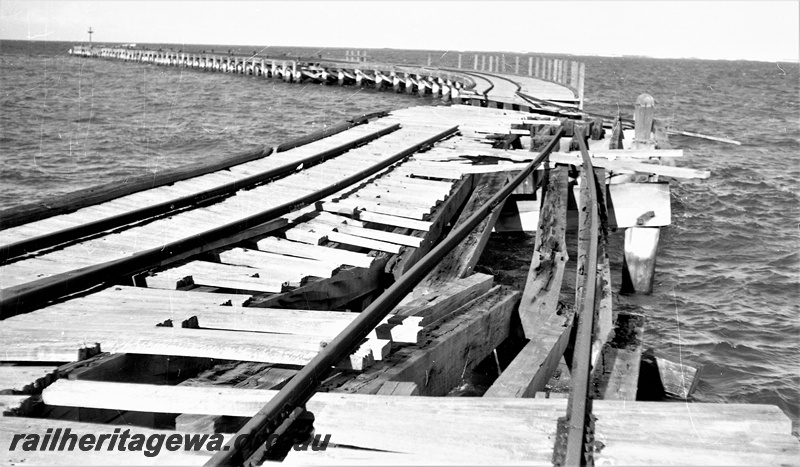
315, 303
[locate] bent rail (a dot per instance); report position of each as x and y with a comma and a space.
579, 404
278, 413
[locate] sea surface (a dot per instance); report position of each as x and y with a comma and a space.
728, 277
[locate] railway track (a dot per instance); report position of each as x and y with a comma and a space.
298, 274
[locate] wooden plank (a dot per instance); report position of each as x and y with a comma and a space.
256, 258
218, 275
381, 235
398, 388
629, 166
362, 242
462, 427
434, 305
329, 294
385, 207
461, 261
443, 214
649, 433
26, 379
547, 330
15, 405
385, 219
621, 360
132, 455
242, 375
37, 344
319, 253
454, 348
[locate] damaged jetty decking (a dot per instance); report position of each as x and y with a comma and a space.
322, 295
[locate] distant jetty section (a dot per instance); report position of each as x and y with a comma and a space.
549, 79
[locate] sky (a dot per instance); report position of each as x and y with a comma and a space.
753, 30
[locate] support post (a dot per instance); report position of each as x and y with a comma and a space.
459, 61
581, 75
491, 62
641, 243
516, 67
536, 71
530, 66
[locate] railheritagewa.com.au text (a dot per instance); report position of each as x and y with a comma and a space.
149, 444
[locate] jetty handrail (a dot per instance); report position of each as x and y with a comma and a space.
284, 405
579, 403
21, 247
25, 297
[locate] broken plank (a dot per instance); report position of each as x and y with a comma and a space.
438, 303
443, 214
621, 360
26, 379
546, 329
454, 348
345, 286
462, 259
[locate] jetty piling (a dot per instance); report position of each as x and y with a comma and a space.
641, 243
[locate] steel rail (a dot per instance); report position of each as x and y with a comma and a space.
55, 205
303, 385
24, 297
22, 247
579, 405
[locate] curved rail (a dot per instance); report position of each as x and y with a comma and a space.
579, 405
285, 405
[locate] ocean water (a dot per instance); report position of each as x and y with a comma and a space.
728, 276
